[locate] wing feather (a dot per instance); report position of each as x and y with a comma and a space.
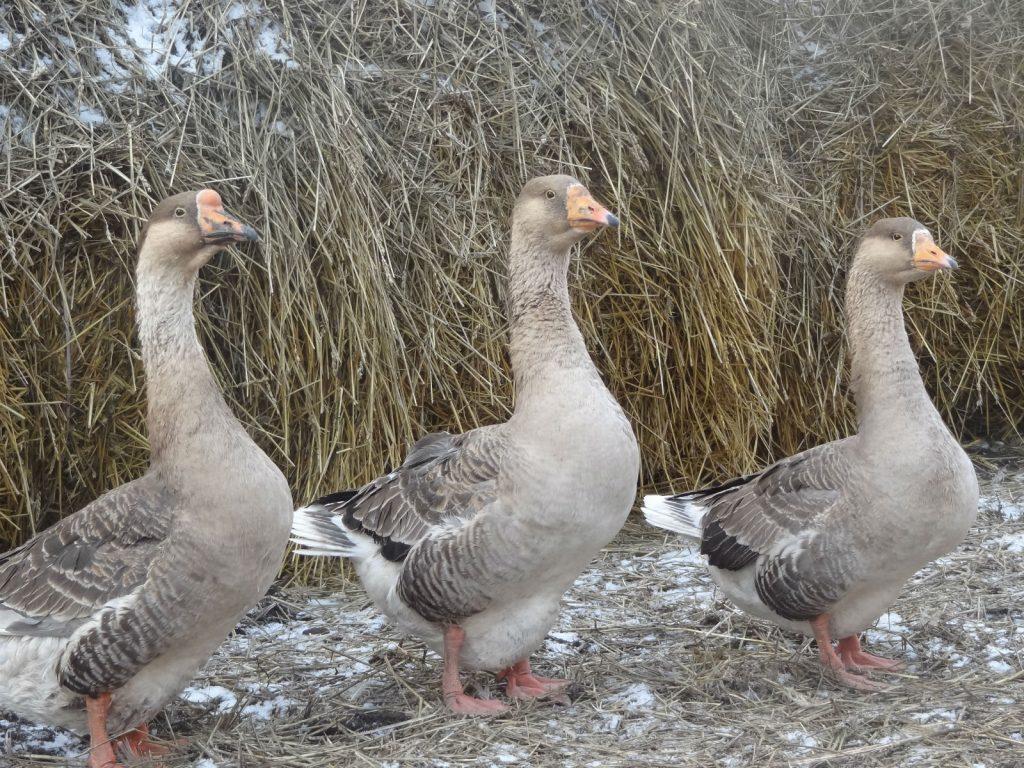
83, 579
443, 482
102, 552
778, 518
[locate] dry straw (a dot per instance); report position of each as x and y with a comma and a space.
378, 146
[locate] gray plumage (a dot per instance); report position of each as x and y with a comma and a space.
444, 482
779, 519
78, 571
836, 530
131, 594
486, 529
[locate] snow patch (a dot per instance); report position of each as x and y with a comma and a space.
508, 754
941, 714
687, 554
90, 115
217, 695
801, 739
274, 46
41, 739
1007, 508
1011, 542
270, 708
489, 12
159, 34
154, 31
637, 697
13, 121
888, 625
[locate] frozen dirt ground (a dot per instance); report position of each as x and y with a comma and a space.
666, 673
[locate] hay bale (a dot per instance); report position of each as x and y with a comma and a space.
379, 145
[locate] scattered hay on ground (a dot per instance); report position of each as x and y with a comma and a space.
665, 674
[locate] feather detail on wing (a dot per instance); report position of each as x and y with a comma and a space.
318, 529
62, 576
777, 518
678, 514
88, 578
444, 481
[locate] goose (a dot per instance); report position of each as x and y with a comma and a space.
472, 541
105, 616
821, 542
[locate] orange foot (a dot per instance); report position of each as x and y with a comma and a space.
103, 757
856, 659
464, 704
858, 682
831, 661
521, 683
455, 697
137, 743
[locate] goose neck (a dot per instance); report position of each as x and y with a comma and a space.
547, 348
186, 409
886, 381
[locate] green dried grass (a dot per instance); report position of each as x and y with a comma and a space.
743, 160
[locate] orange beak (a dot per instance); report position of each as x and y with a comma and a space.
217, 225
928, 257
585, 213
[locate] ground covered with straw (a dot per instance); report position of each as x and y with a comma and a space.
378, 145
666, 673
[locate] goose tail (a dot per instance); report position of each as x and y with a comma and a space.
681, 514
319, 530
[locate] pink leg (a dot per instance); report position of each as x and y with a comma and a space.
832, 662
521, 683
455, 696
101, 750
854, 658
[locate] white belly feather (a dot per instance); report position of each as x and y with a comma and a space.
495, 638
28, 682
856, 611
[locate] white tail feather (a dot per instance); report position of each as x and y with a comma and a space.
675, 513
320, 534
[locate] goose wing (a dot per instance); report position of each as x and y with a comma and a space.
82, 579
445, 481
785, 520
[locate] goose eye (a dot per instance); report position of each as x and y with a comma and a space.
179, 212
897, 236
549, 195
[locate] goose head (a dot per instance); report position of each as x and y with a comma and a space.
901, 251
560, 210
186, 230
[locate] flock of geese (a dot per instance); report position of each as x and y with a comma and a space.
472, 541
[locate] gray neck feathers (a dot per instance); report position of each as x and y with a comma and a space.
187, 415
886, 381
546, 345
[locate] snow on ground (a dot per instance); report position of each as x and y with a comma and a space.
26, 738
665, 673
159, 34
